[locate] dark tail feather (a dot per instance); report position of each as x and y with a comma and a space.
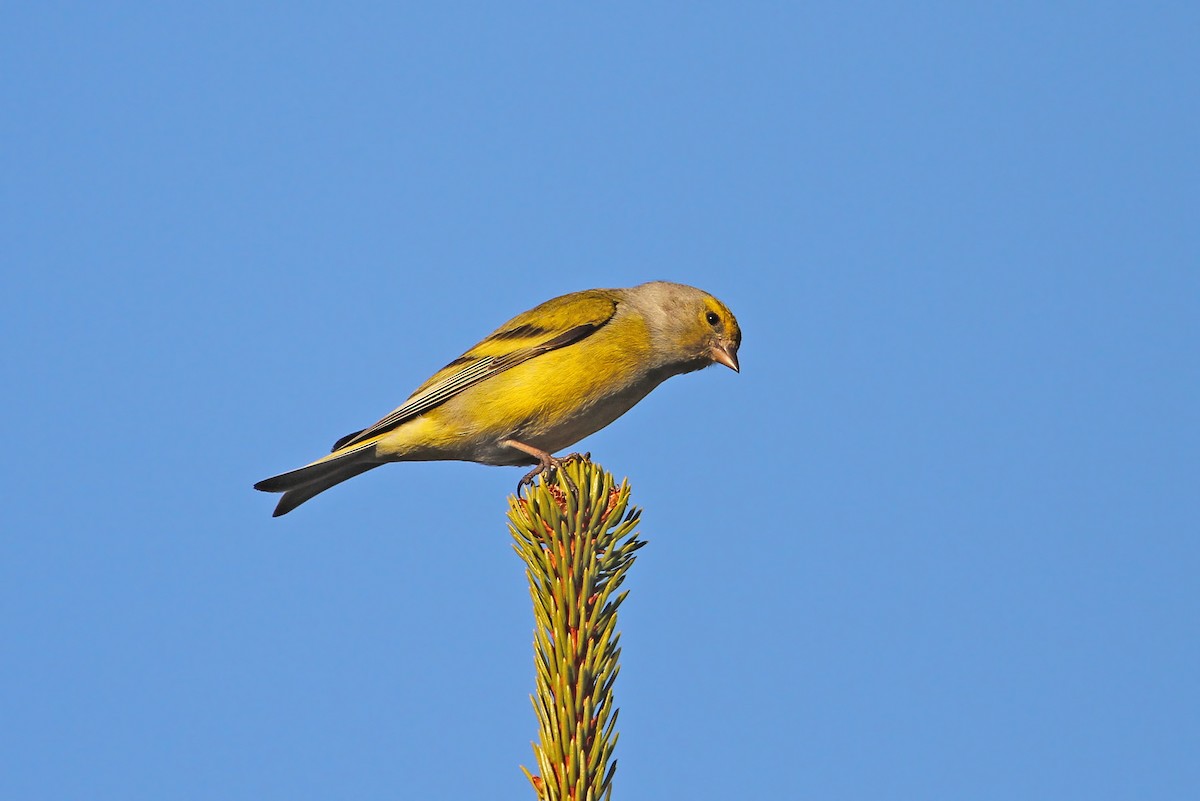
299, 485
345, 439
293, 498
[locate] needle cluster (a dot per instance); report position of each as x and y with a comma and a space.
576, 534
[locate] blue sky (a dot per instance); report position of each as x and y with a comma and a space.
937, 541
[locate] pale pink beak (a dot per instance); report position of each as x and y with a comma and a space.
726, 354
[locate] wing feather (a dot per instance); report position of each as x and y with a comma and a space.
555, 324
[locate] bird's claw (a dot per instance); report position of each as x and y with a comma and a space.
549, 466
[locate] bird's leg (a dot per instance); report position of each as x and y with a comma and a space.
547, 463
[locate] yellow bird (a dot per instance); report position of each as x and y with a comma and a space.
538, 384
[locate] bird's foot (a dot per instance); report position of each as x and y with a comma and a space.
548, 467
547, 464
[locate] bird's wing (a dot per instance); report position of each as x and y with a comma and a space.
554, 324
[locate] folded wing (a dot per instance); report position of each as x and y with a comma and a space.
555, 324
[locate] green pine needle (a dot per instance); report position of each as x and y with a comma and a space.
577, 545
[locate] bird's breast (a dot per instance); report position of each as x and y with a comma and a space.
558, 398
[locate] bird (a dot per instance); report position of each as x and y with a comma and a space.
536, 385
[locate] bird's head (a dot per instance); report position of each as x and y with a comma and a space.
689, 327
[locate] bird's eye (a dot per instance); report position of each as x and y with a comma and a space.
712, 318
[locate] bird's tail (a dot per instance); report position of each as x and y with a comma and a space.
306, 482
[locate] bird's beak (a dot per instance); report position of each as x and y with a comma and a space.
726, 354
